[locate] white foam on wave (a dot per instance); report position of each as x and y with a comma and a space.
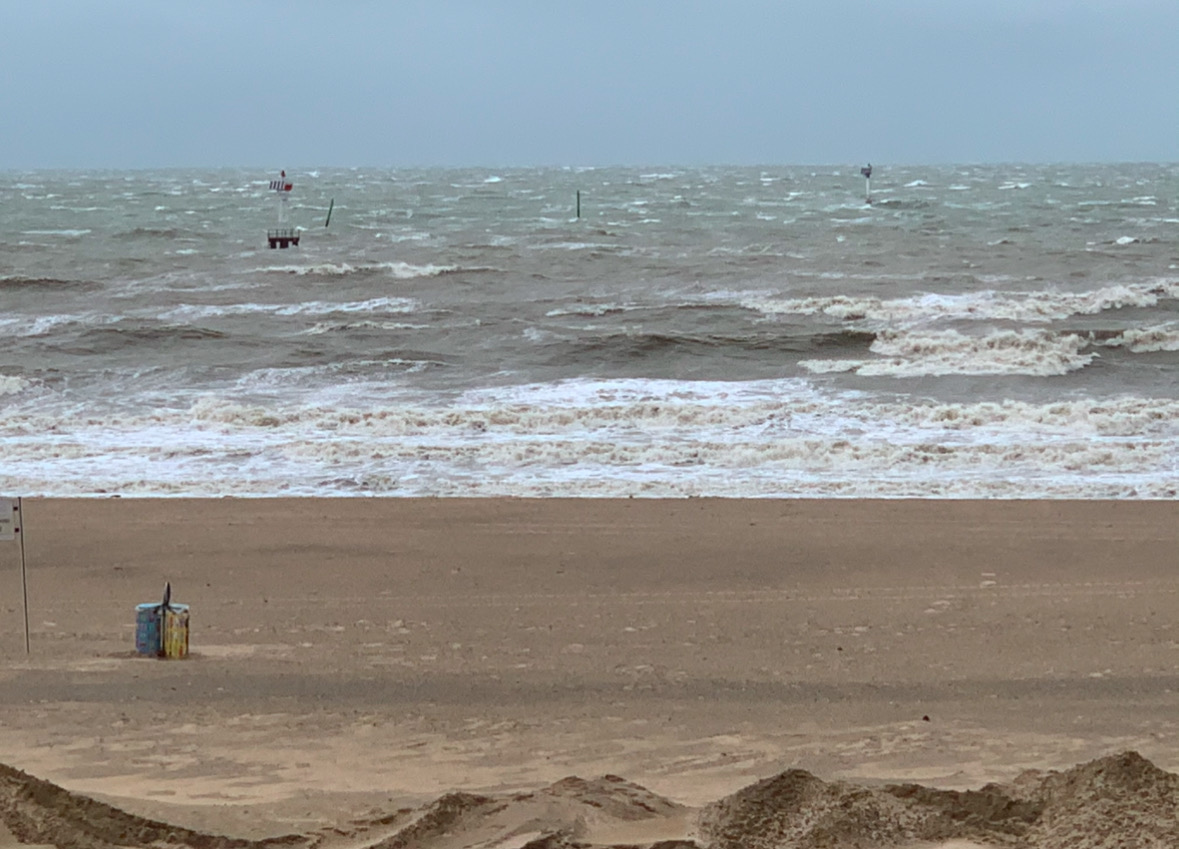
592, 310
575, 246
1039, 306
42, 325
318, 386
67, 233
1143, 340
11, 385
1005, 352
398, 270
611, 394
190, 312
346, 326
625, 437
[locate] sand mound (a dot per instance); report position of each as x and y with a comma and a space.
1123, 800
572, 812
36, 811
796, 809
1119, 801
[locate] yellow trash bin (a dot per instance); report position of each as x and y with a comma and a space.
176, 631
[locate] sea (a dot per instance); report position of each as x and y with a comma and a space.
975, 331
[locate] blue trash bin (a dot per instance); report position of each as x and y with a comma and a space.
149, 632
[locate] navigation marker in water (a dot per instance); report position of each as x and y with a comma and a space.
867, 172
282, 236
331, 206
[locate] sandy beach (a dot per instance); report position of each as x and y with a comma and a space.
352, 656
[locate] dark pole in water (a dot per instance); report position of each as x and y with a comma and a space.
867, 172
579, 203
329, 216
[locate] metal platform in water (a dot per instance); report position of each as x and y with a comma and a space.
283, 237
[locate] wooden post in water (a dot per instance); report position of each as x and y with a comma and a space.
579, 203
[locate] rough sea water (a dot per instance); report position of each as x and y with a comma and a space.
977, 331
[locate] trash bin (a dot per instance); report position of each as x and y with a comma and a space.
148, 633
161, 629
176, 631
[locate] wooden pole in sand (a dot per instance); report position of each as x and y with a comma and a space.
12, 526
24, 583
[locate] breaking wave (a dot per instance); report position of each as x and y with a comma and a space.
608, 438
397, 270
302, 308
1147, 339
1038, 353
1034, 307
10, 385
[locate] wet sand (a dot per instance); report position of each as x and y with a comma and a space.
357, 654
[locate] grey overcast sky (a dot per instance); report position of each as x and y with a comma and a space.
152, 83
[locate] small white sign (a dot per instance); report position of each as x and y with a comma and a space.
8, 518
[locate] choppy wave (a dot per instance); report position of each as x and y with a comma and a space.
18, 281
989, 305
131, 334
636, 346
593, 310
376, 362
1039, 353
165, 233
397, 270
1147, 339
302, 308
772, 439
10, 385
351, 326
68, 232
44, 325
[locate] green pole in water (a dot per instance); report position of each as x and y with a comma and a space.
329, 215
579, 203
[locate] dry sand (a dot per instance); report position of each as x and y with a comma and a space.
354, 657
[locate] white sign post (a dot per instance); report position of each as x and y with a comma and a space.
11, 527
